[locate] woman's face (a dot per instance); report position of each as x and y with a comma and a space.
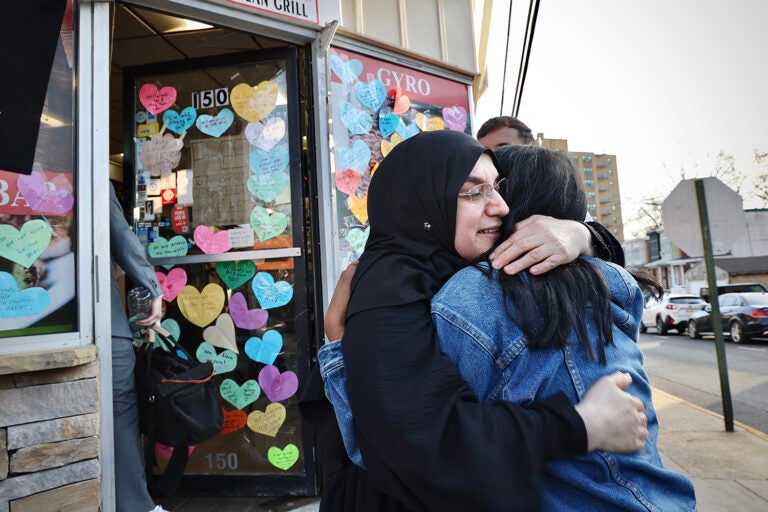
478, 218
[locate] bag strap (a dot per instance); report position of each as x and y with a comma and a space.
193, 381
171, 479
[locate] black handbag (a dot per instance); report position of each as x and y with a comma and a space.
178, 402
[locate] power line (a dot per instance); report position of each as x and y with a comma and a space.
530, 28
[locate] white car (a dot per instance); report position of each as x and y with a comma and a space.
671, 312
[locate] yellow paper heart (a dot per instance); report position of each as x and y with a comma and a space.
269, 421
359, 207
222, 334
388, 145
427, 124
201, 308
254, 103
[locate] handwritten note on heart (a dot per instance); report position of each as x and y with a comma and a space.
222, 363
160, 155
222, 334
180, 122
235, 273
215, 126
210, 242
428, 124
261, 162
268, 186
267, 225
359, 208
16, 303
356, 157
246, 318
357, 121
56, 201
201, 308
240, 396
269, 293
172, 283
278, 386
347, 71
388, 122
233, 421
265, 349
254, 103
357, 238
265, 135
371, 94
389, 145
347, 181
154, 100
269, 421
285, 458
162, 248
455, 118
24, 246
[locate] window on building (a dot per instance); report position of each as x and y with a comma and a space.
589, 182
587, 170
590, 195
586, 158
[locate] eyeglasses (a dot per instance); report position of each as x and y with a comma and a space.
481, 194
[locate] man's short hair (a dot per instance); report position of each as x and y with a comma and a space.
495, 123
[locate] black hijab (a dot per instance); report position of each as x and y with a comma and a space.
412, 213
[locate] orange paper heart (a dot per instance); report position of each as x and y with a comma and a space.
359, 207
402, 102
429, 124
233, 420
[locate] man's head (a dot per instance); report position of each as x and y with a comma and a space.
504, 131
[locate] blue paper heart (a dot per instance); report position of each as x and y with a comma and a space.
15, 303
371, 94
346, 71
215, 126
179, 123
357, 121
267, 162
267, 186
357, 157
265, 349
269, 293
407, 131
388, 123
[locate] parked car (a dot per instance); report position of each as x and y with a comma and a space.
744, 316
671, 312
733, 288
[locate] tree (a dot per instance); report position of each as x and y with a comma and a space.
760, 182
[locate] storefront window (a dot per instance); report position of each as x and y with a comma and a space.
38, 216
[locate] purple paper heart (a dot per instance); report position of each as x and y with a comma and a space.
42, 200
455, 118
242, 316
277, 386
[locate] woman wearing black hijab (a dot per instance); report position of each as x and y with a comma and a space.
426, 441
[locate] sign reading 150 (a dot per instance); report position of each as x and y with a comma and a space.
210, 98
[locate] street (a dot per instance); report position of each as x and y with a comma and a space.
688, 369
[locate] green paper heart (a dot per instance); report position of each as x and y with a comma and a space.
285, 458
235, 273
162, 248
268, 185
357, 238
222, 363
240, 396
267, 225
26, 245
172, 326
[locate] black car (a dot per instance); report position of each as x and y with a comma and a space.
744, 316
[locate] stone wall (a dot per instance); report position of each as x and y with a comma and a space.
49, 432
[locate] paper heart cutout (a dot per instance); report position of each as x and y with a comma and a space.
285, 458
267, 186
246, 318
267, 225
428, 124
172, 283
455, 118
388, 123
254, 103
406, 131
347, 71
401, 102
347, 181
16, 303
172, 326
210, 242
233, 421
201, 308
265, 349
269, 293
269, 421
278, 386
356, 157
235, 273
357, 121
222, 334
265, 135
24, 246
154, 100
222, 363
42, 200
162, 248
371, 94
389, 145
160, 155
357, 238
359, 207
271, 161
240, 395
216, 125
165, 452
180, 122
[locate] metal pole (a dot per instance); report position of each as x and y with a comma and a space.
717, 323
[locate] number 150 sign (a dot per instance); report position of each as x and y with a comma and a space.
210, 98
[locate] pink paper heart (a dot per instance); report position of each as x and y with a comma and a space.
210, 242
42, 200
347, 181
155, 101
165, 452
277, 386
265, 136
455, 118
242, 316
172, 283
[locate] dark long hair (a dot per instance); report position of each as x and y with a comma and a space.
551, 306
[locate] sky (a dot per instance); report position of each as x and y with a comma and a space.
664, 85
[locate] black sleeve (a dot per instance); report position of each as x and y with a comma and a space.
607, 246
425, 438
